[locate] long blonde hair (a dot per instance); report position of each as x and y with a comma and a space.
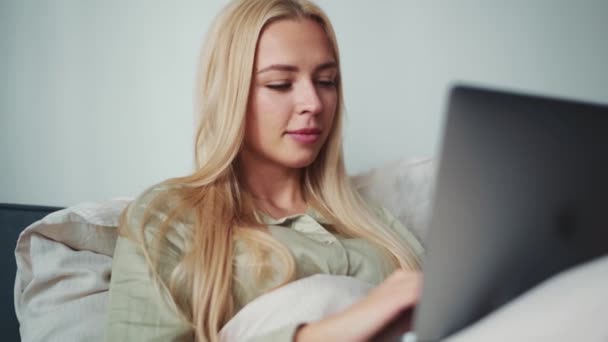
221, 209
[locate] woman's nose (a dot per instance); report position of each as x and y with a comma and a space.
308, 99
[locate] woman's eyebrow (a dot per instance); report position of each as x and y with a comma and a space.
325, 66
293, 68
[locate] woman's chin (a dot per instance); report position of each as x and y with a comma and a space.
300, 161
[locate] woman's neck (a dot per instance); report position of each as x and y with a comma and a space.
276, 189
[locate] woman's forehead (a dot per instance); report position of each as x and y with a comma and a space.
298, 42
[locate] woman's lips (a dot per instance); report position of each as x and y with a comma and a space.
305, 138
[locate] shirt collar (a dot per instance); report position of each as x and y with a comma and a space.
311, 212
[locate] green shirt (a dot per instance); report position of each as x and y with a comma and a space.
137, 311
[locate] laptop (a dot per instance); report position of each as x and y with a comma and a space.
521, 194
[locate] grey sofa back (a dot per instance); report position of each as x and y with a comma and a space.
13, 219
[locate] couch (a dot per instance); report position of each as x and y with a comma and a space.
63, 255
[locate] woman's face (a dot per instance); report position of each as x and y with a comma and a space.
293, 96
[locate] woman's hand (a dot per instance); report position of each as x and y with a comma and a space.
390, 302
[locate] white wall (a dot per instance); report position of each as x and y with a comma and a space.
96, 95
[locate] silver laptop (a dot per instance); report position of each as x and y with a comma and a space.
521, 193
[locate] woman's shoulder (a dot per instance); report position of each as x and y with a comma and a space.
378, 209
149, 210
155, 195
393, 222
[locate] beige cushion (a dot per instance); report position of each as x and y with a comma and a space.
63, 272
404, 187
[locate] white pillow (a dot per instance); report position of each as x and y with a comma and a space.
304, 300
63, 273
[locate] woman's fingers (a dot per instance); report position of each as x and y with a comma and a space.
399, 291
395, 297
386, 310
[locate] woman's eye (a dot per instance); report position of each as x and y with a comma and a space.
279, 86
326, 83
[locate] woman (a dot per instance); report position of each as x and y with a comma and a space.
269, 201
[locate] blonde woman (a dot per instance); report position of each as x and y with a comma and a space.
269, 201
